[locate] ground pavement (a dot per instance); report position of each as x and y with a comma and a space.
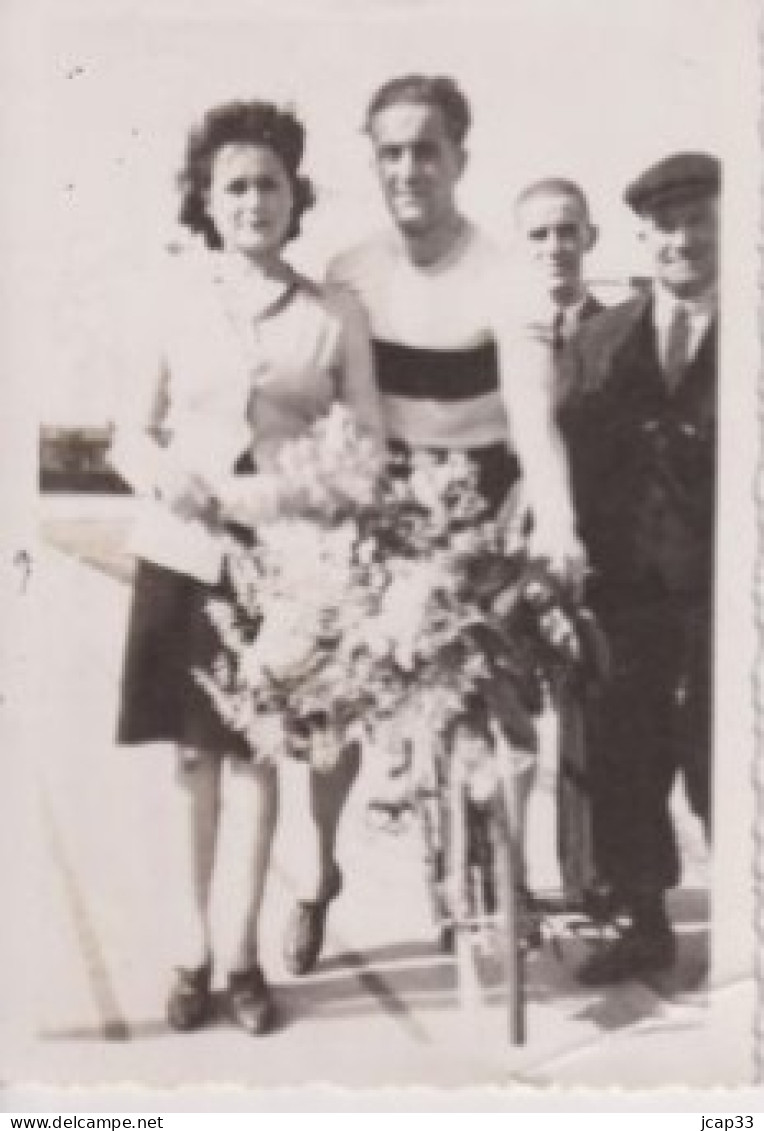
97, 914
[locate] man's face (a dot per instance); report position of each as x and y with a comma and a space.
418, 165
682, 240
556, 234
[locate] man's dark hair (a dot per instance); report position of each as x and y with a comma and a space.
436, 91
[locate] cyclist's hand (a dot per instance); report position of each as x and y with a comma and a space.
565, 557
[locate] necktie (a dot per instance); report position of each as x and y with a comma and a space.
677, 347
558, 333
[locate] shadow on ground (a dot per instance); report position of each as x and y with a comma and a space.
408, 978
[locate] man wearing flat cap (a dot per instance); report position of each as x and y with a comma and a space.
639, 415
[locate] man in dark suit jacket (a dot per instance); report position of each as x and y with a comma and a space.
555, 233
640, 420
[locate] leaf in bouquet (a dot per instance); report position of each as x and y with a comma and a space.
542, 589
245, 573
476, 667
224, 619
236, 708
559, 632
488, 637
365, 550
471, 547
506, 604
222, 669
509, 657
397, 533
596, 657
523, 669
505, 705
486, 576
463, 504
451, 657
439, 633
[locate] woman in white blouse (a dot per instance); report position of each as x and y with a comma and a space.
243, 353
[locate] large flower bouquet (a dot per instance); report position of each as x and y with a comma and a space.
378, 591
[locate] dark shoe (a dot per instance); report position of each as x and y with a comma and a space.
636, 952
601, 902
447, 939
529, 919
480, 854
553, 903
304, 934
250, 1000
189, 1001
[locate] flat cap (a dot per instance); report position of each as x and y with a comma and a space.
675, 179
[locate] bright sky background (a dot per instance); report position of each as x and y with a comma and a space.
592, 89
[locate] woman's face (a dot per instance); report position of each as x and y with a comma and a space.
250, 199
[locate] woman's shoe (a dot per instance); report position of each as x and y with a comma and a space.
189, 1001
304, 933
250, 1000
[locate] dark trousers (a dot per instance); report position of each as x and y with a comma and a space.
575, 834
651, 721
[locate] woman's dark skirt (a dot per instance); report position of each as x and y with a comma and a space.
169, 635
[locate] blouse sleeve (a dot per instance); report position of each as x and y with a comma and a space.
355, 362
139, 450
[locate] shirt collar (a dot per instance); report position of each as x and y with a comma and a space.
573, 311
702, 307
571, 314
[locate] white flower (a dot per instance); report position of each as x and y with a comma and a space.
267, 736
223, 618
325, 749
426, 490
366, 551
251, 671
286, 640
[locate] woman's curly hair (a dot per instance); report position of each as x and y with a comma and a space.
241, 123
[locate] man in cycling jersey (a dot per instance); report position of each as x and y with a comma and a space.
453, 371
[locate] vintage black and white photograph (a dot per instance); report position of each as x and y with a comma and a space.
379, 676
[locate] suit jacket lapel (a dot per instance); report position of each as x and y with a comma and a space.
591, 307
697, 390
634, 347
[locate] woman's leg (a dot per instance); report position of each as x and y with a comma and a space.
329, 792
250, 811
188, 1003
199, 777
